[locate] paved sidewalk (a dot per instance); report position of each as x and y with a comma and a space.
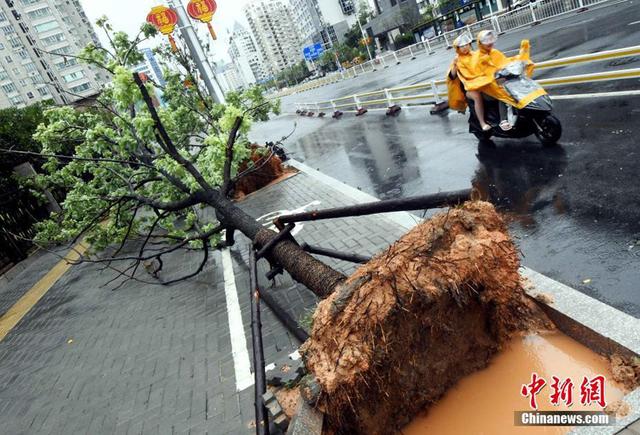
155, 359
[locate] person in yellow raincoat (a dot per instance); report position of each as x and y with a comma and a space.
478, 76
460, 72
488, 60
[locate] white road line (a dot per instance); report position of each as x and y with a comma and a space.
241, 363
635, 22
596, 95
239, 349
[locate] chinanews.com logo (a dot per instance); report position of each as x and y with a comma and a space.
561, 392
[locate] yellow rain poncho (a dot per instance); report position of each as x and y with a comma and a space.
479, 71
455, 90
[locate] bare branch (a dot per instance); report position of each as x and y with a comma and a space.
82, 159
226, 174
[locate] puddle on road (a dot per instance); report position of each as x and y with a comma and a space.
484, 402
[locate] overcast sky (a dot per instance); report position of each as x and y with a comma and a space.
128, 15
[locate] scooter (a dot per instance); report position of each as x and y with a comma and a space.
535, 118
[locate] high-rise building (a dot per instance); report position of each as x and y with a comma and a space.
275, 33
325, 21
245, 56
229, 77
150, 66
35, 36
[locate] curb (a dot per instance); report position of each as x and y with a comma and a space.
599, 326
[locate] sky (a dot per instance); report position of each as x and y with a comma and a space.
128, 15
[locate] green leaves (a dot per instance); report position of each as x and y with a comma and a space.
121, 179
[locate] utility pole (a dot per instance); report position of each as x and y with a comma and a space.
364, 39
197, 52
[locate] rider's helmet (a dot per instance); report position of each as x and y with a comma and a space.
461, 41
487, 37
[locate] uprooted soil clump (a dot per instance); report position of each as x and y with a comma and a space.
405, 327
266, 171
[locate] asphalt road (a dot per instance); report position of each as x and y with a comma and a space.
574, 209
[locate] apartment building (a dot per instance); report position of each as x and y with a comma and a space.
275, 33
245, 56
35, 36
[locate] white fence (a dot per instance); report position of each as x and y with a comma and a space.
501, 22
432, 92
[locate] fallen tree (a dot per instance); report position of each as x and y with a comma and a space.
389, 341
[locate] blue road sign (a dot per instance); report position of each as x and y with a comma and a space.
313, 52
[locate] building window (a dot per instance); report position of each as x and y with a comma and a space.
53, 39
30, 95
62, 50
31, 67
3, 17
80, 88
49, 25
29, 2
8, 29
43, 91
23, 83
67, 64
15, 42
9, 88
3, 75
8, 59
347, 7
17, 100
73, 76
39, 13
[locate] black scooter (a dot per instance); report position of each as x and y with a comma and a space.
536, 118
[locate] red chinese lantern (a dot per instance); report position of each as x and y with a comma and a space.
164, 19
203, 10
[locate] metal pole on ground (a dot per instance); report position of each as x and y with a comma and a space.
396, 57
413, 56
260, 384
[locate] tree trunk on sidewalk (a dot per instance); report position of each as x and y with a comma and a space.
304, 268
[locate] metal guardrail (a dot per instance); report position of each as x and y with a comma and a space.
390, 97
501, 22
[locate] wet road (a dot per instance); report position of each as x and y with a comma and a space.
615, 25
573, 209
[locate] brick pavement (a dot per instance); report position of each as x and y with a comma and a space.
157, 359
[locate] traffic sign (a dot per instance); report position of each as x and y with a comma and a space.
313, 52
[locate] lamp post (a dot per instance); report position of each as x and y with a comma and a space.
197, 52
364, 38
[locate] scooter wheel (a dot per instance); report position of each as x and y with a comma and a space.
550, 130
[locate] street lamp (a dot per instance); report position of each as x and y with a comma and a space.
364, 38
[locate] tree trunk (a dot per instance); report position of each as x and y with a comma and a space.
317, 276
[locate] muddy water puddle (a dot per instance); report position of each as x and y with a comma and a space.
484, 403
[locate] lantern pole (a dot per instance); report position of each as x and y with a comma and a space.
197, 52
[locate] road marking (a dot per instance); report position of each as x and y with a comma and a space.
635, 22
241, 363
20, 309
596, 95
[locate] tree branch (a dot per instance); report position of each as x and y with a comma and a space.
226, 174
168, 143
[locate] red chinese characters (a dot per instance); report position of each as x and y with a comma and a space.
592, 391
532, 389
562, 391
